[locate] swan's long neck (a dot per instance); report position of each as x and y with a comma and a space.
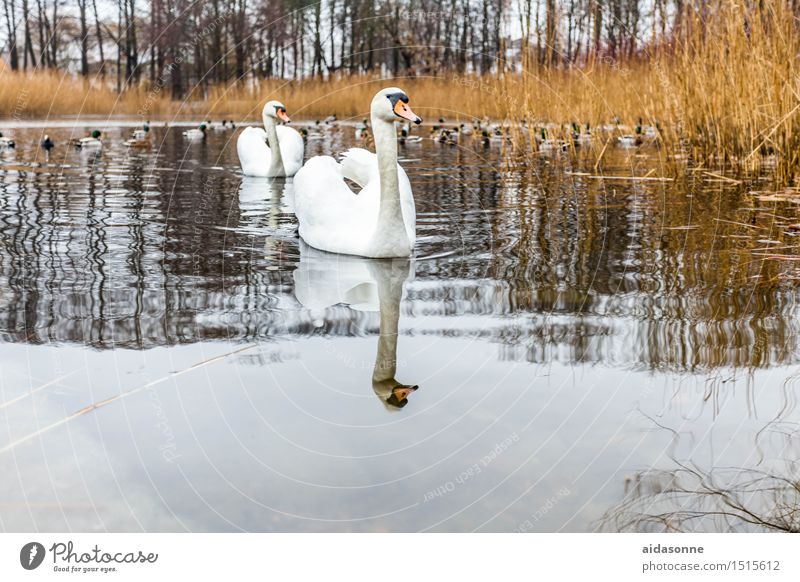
391, 227
276, 161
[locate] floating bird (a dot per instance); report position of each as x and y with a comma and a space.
493, 138
6, 142
141, 134
445, 136
406, 139
379, 221
90, 142
274, 151
47, 144
362, 130
551, 145
631, 141
197, 133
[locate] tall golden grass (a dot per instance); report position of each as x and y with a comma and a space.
726, 90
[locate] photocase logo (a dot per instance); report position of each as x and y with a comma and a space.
31, 555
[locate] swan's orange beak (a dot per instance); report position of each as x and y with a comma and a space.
403, 110
282, 115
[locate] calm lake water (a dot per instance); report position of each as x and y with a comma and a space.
590, 354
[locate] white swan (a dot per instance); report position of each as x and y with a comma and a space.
379, 221
273, 151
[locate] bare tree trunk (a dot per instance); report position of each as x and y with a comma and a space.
550, 33
54, 37
43, 55
99, 39
11, 27
597, 21
84, 38
28, 48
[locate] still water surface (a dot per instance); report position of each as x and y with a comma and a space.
589, 354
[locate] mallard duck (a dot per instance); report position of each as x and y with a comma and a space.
197, 133
444, 136
406, 139
362, 130
6, 142
631, 141
139, 136
551, 145
91, 141
313, 133
581, 137
494, 137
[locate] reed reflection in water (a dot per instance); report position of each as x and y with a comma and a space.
547, 307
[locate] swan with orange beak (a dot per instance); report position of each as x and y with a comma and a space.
379, 221
274, 151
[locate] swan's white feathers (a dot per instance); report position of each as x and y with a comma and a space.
292, 147
358, 165
332, 216
255, 155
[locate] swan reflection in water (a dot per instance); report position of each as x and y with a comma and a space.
265, 205
263, 200
324, 279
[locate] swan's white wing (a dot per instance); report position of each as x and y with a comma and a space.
335, 219
331, 216
292, 148
254, 154
360, 166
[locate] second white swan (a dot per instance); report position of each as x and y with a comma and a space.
378, 221
271, 152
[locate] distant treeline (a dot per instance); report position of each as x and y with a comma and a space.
183, 44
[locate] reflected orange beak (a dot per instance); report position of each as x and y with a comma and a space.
282, 116
403, 110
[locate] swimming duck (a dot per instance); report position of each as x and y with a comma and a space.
197, 133
494, 137
444, 136
91, 141
406, 139
631, 141
581, 137
6, 142
551, 145
47, 144
139, 137
362, 130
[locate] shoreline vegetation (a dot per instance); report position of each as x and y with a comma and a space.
722, 87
